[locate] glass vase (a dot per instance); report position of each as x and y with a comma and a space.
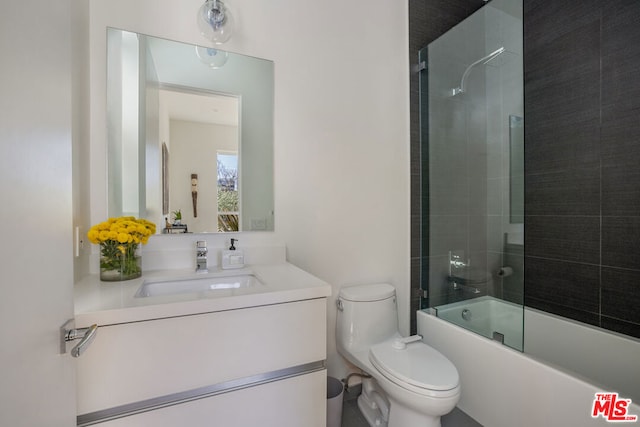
119, 261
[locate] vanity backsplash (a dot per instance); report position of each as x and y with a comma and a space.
169, 252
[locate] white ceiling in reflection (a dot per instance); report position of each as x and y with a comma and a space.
211, 108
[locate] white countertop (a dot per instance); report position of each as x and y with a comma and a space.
108, 303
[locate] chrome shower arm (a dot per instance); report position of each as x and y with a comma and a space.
483, 60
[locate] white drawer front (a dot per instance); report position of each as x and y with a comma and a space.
294, 402
137, 361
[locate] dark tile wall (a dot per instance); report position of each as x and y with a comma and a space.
428, 19
582, 160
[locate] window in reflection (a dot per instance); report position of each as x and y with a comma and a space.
228, 192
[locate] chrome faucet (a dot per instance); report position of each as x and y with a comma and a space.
201, 257
456, 262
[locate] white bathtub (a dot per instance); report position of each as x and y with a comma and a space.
504, 387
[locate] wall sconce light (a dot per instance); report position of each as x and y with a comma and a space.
215, 21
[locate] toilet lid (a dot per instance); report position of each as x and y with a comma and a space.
418, 364
375, 292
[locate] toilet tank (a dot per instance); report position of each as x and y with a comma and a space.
367, 314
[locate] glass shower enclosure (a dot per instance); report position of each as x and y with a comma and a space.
472, 142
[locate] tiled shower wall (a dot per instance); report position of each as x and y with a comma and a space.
428, 19
582, 160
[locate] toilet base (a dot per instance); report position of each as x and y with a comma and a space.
400, 416
381, 409
372, 403
372, 415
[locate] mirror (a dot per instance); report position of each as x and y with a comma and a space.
189, 135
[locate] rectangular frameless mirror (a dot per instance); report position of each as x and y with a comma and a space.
189, 131
516, 169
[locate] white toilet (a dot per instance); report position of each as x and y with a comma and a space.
412, 384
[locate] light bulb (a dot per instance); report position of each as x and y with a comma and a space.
215, 21
214, 58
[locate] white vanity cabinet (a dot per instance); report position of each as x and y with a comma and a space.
260, 365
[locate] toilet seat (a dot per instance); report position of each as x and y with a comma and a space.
418, 368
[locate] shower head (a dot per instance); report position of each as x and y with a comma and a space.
484, 60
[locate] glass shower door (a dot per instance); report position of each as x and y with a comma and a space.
471, 98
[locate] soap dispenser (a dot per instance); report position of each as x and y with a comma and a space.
232, 258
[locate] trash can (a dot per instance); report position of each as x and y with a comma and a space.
335, 393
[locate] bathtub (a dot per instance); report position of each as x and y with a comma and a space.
552, 384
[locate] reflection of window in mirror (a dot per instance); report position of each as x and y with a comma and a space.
228, 191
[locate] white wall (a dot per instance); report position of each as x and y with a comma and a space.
341, 129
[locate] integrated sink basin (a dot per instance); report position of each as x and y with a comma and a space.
215, 285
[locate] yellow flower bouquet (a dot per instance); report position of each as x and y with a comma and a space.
119, 239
